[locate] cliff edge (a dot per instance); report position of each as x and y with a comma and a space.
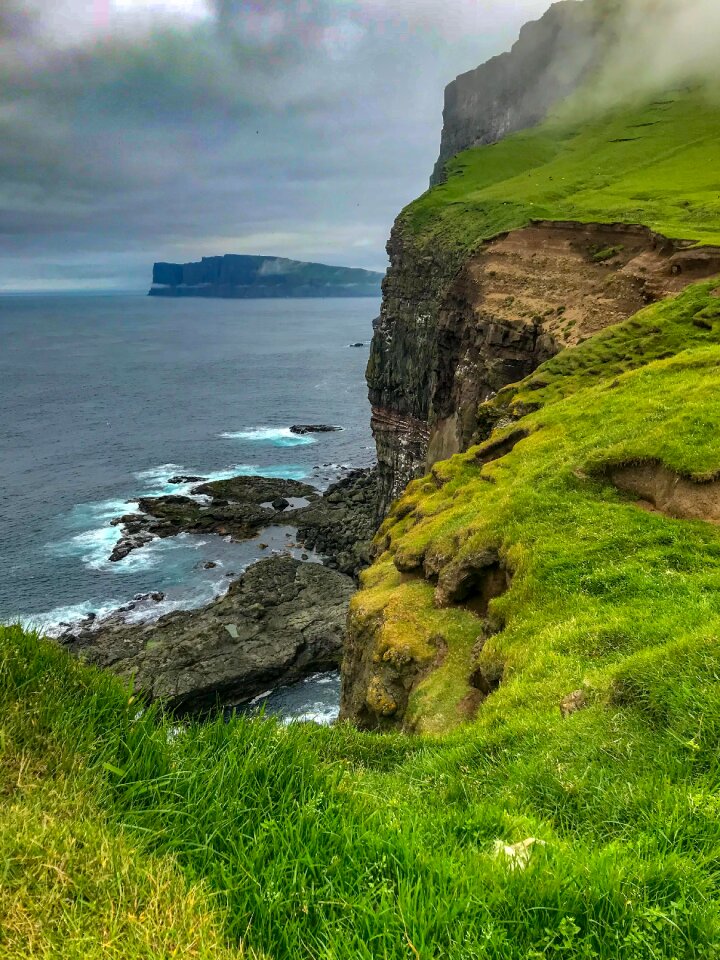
533, 245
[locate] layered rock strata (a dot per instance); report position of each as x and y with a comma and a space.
450, 336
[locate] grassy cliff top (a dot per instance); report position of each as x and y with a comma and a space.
656, 164
584, 558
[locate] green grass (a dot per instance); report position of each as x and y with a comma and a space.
307, 843
655, 164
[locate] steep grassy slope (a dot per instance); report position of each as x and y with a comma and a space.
655, 163
308, 843
578, 555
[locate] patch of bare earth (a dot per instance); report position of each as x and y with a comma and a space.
528, 294
665, 491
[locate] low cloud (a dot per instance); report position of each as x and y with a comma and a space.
134, 130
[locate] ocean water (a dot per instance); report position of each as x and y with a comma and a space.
103, 399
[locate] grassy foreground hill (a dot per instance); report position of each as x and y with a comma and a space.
558, 589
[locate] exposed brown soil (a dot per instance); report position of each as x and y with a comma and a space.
528, 294
667, 492
596, 274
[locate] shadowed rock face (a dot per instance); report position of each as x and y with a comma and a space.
279, 622
516, 90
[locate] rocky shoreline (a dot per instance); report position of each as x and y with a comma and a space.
338, 523
282, 620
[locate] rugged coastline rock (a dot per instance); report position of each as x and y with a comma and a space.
238, 508
279, 622
339, 524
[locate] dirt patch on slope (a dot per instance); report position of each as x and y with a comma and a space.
575, 279
530, 293
667, 492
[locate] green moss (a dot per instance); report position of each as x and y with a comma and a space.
607, 253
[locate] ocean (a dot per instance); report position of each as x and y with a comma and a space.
105, 398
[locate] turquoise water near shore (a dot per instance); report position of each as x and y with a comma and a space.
104, 399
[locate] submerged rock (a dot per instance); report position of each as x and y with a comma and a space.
181, 479
301, 429
280, 622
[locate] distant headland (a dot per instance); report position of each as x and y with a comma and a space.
245, 277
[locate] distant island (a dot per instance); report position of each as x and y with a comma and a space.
236, 276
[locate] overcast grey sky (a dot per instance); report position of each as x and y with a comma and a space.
136, 130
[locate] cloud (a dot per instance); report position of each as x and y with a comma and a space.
135, 130
663, 42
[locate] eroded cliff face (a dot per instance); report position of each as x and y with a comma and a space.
451, 335
511, 92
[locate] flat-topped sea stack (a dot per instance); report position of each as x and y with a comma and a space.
256, 278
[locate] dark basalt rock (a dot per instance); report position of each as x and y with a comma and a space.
255, 490
127, 544
236, 510
281, 621
342, 523
302, 429
338, 524
181, 479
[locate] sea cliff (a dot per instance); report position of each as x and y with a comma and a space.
246, 277
550, 242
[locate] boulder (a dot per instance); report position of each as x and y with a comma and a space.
281, 621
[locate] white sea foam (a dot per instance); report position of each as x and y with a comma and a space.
276, 436
322, 714
49, 622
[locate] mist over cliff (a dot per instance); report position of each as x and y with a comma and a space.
614, 49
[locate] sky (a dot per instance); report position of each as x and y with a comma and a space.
141, 130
